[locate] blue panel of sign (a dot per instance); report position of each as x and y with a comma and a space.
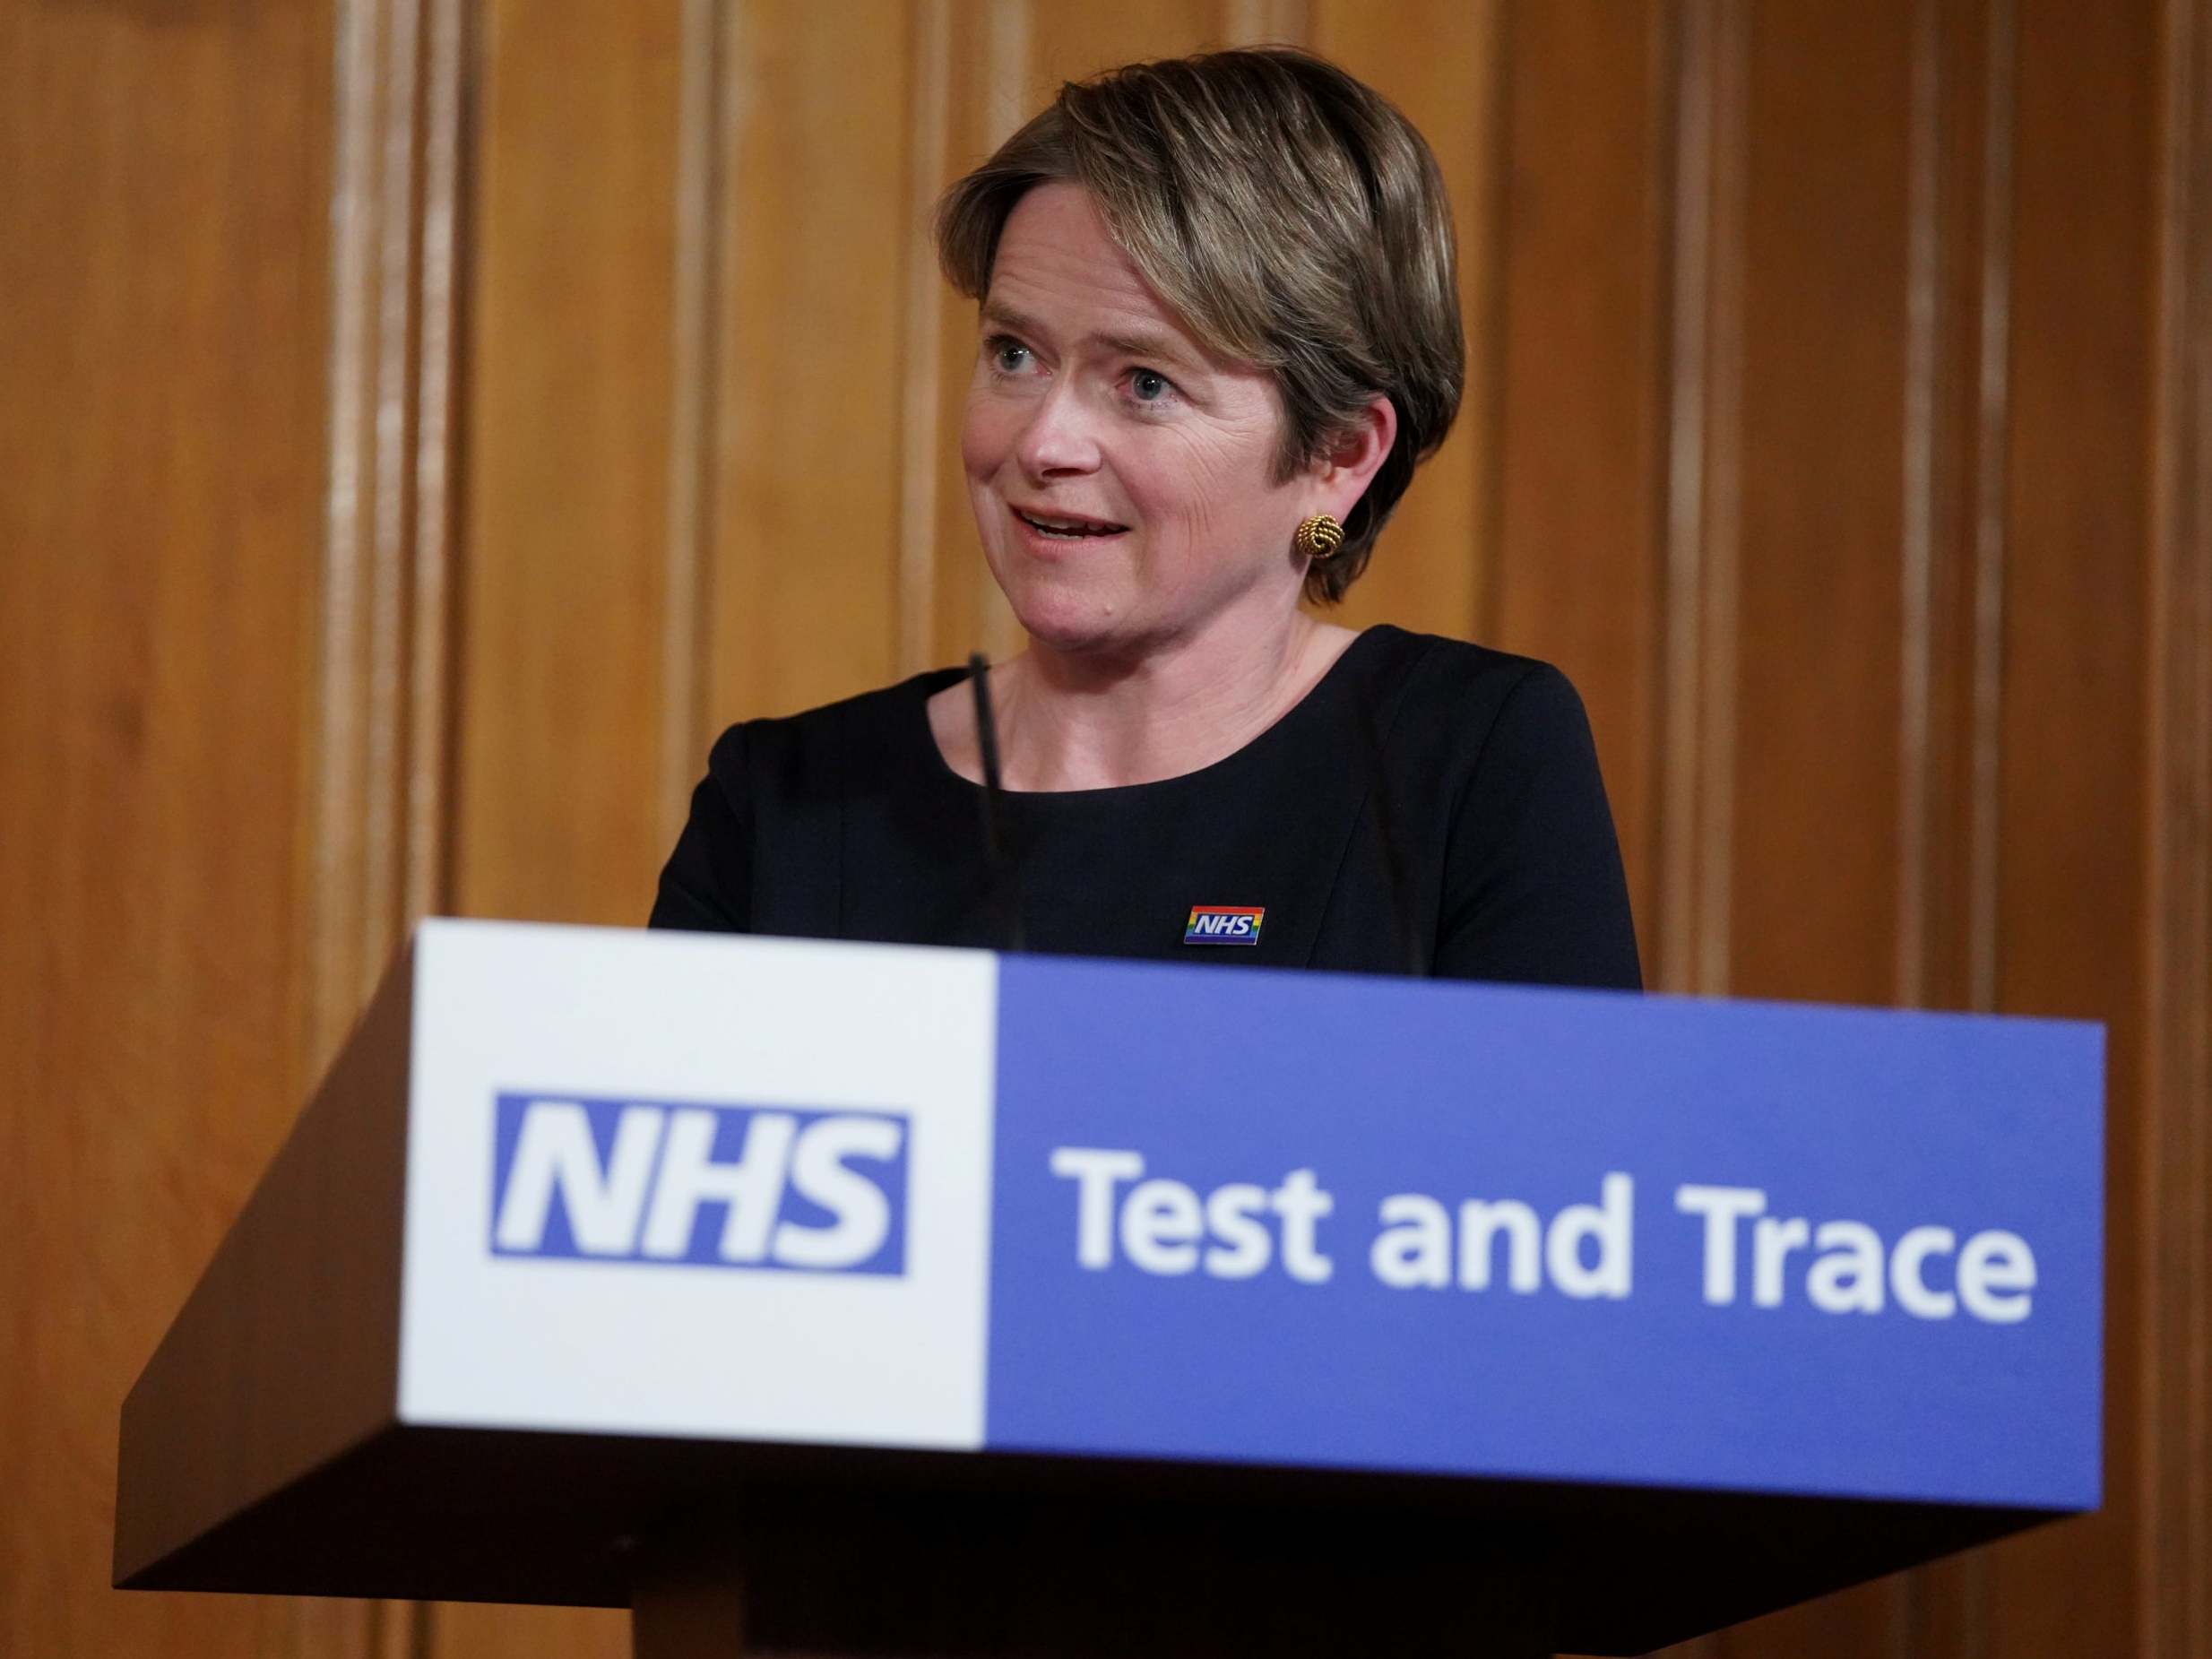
1360, 1224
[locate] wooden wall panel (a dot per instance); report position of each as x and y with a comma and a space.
164, 183
1957, 410
2172, 1587
810, 431
1689, 932
479, 1630
2072, 742
1068, 42
1958, 395
570, 396
1823, 327
1577, 349
1799, 308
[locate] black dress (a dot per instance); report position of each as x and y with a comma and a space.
1429, 804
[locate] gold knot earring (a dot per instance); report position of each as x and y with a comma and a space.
1319, 537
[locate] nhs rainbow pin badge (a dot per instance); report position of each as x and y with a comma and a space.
1225, 924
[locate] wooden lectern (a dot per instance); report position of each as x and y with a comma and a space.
866, 1300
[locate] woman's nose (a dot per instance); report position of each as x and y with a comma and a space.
1059, 438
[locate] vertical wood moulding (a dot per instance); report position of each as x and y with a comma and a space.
399, 1631
1663, 47
1688, 256
1704, 418
381, 740
1968, 1581
384, 687
429, 691
921, 388
1916, 656
1691, 45
701, 154
338, 796
382, 724
391, 467
2174, 1571
1993, 418
1723, 452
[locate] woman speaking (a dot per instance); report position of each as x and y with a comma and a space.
1218, 330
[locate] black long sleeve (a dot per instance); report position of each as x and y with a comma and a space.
1534, 892
706, 885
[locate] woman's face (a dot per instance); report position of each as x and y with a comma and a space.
1123, 478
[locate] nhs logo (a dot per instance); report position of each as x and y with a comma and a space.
1225, 924
757, 1187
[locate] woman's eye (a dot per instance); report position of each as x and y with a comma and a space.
1149, 386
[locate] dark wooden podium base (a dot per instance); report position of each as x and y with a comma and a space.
852, 1553
687, 1609
1078, 1592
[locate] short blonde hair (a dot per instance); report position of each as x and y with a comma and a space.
1292, 217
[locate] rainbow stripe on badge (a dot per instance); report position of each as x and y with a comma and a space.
1225, 924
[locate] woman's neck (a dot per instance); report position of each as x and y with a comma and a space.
1072, 720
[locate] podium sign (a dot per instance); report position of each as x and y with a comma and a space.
1050, 1216
1563, 1235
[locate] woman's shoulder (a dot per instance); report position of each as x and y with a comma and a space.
867, 715
783, 762
1459, 688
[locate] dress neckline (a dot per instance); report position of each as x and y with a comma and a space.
1278, 731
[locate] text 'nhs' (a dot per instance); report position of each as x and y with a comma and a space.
703, 1185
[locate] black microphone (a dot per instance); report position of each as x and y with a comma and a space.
1006, 895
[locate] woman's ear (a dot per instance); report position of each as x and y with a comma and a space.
1351, 458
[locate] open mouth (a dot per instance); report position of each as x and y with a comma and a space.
1069, 529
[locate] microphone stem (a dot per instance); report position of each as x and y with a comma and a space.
1005, 895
